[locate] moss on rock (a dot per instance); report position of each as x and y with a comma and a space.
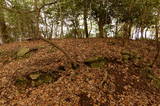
96, 62
35, 79
129, 56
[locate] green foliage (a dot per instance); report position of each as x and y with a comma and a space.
20, 16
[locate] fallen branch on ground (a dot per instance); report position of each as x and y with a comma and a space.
73, 63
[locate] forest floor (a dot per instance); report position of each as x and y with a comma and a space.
109, 74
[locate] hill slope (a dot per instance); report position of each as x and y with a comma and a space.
109, 73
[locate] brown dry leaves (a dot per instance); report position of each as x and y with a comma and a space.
120, 86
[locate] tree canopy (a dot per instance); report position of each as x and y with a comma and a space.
22, 19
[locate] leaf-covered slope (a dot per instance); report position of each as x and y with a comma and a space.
109, 73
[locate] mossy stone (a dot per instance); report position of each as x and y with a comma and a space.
96, 62
21, 82
125, 52
127, 56
95, 59
147, 72
47, 78
36, 83
34, 75
22, 51
35, 79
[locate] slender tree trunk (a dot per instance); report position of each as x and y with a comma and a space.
3, 31
62, 22
37, 15
46, 26
56, 30
116, 30
90, 27
129, 30
85, 12
142, 30
137, 32
3, 27
75, 23
62, 33
51, 33
19, 37
157, 44
146, 33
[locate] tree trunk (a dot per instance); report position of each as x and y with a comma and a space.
157, 40
62, 33
85, 12
37, 15
142, 30
75, 23
62, 22
51, 33
129, 30
101, 30
146, 33
116, 30
157, 44
3, 27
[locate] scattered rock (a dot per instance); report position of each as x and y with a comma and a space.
129, 56
21, 82
96, 62
35, 79
35, 75
22, 51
